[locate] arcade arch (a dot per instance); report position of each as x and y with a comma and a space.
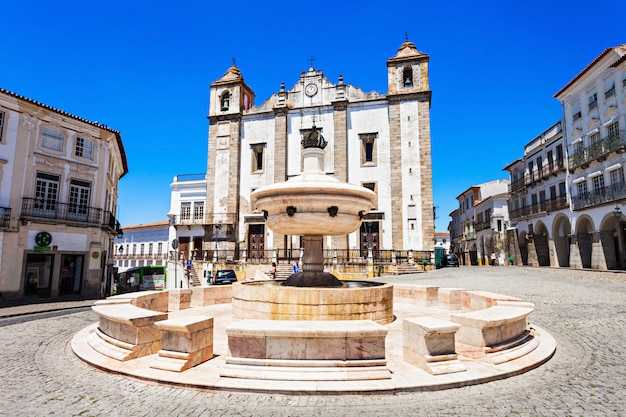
561, 229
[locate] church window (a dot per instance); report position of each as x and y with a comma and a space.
407, 77
225, 101
368, 149
372, 186
258, 156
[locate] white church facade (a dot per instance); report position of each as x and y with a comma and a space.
379, 141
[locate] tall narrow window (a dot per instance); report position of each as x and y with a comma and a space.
372, 186
593, 101
562, 189
52, 139
150, 248
79, 200
612, 129
368, 149
617, 178
198, 210
582, 189
598, 184
258, 156
160, 247
1, 124
185, 211
84, 148
594, 138
46, 193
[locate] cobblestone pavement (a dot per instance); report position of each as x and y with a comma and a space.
585, 311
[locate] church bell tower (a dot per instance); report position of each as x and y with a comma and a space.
230, 97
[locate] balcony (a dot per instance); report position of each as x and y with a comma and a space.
517, 185
5, 216
37, 208
543, 207
209, 218
604, 195
544, 172
482, 226
598, 150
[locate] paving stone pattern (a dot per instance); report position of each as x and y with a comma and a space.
585, 311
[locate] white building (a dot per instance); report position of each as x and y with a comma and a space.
477, 225
594, 108
539, 205
380, 141
59, 179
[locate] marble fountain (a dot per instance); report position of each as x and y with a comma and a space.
313, 333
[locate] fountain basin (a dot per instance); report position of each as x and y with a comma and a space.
357, 300
312, 202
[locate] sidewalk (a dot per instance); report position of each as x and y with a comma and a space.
21, 307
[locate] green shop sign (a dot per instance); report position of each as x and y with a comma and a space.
43, 240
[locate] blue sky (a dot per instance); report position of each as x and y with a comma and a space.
144, 68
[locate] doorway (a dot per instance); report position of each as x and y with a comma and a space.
70, 277
256, 241
38, 275
370, 237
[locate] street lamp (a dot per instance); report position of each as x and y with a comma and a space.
617, 212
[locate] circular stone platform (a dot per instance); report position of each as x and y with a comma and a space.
403, 376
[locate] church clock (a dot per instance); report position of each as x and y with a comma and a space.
310, 90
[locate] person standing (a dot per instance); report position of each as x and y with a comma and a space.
273, 271
295, 269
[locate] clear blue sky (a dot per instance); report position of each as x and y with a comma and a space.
144, 68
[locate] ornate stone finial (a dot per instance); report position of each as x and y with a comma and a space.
313, 139
282, 87
340, 79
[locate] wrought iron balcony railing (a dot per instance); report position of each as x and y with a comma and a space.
542, 207
598, 150
603, 195
38, 208
5, 216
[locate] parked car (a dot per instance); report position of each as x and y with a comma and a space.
224, 276
452, 260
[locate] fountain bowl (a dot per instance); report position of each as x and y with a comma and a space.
270, 300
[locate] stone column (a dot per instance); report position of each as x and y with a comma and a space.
574, 253
597, 252
313, 258
532, 253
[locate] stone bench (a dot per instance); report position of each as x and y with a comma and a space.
479, 300
150, 300
126, 331
493, 326
179, 299
187, 342
450, 298
336, 350
214, 294
423, 295
429, 343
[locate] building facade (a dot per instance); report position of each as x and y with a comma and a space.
594, 109
59, 178
142, 245
379, 141
539, 206
478, 225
